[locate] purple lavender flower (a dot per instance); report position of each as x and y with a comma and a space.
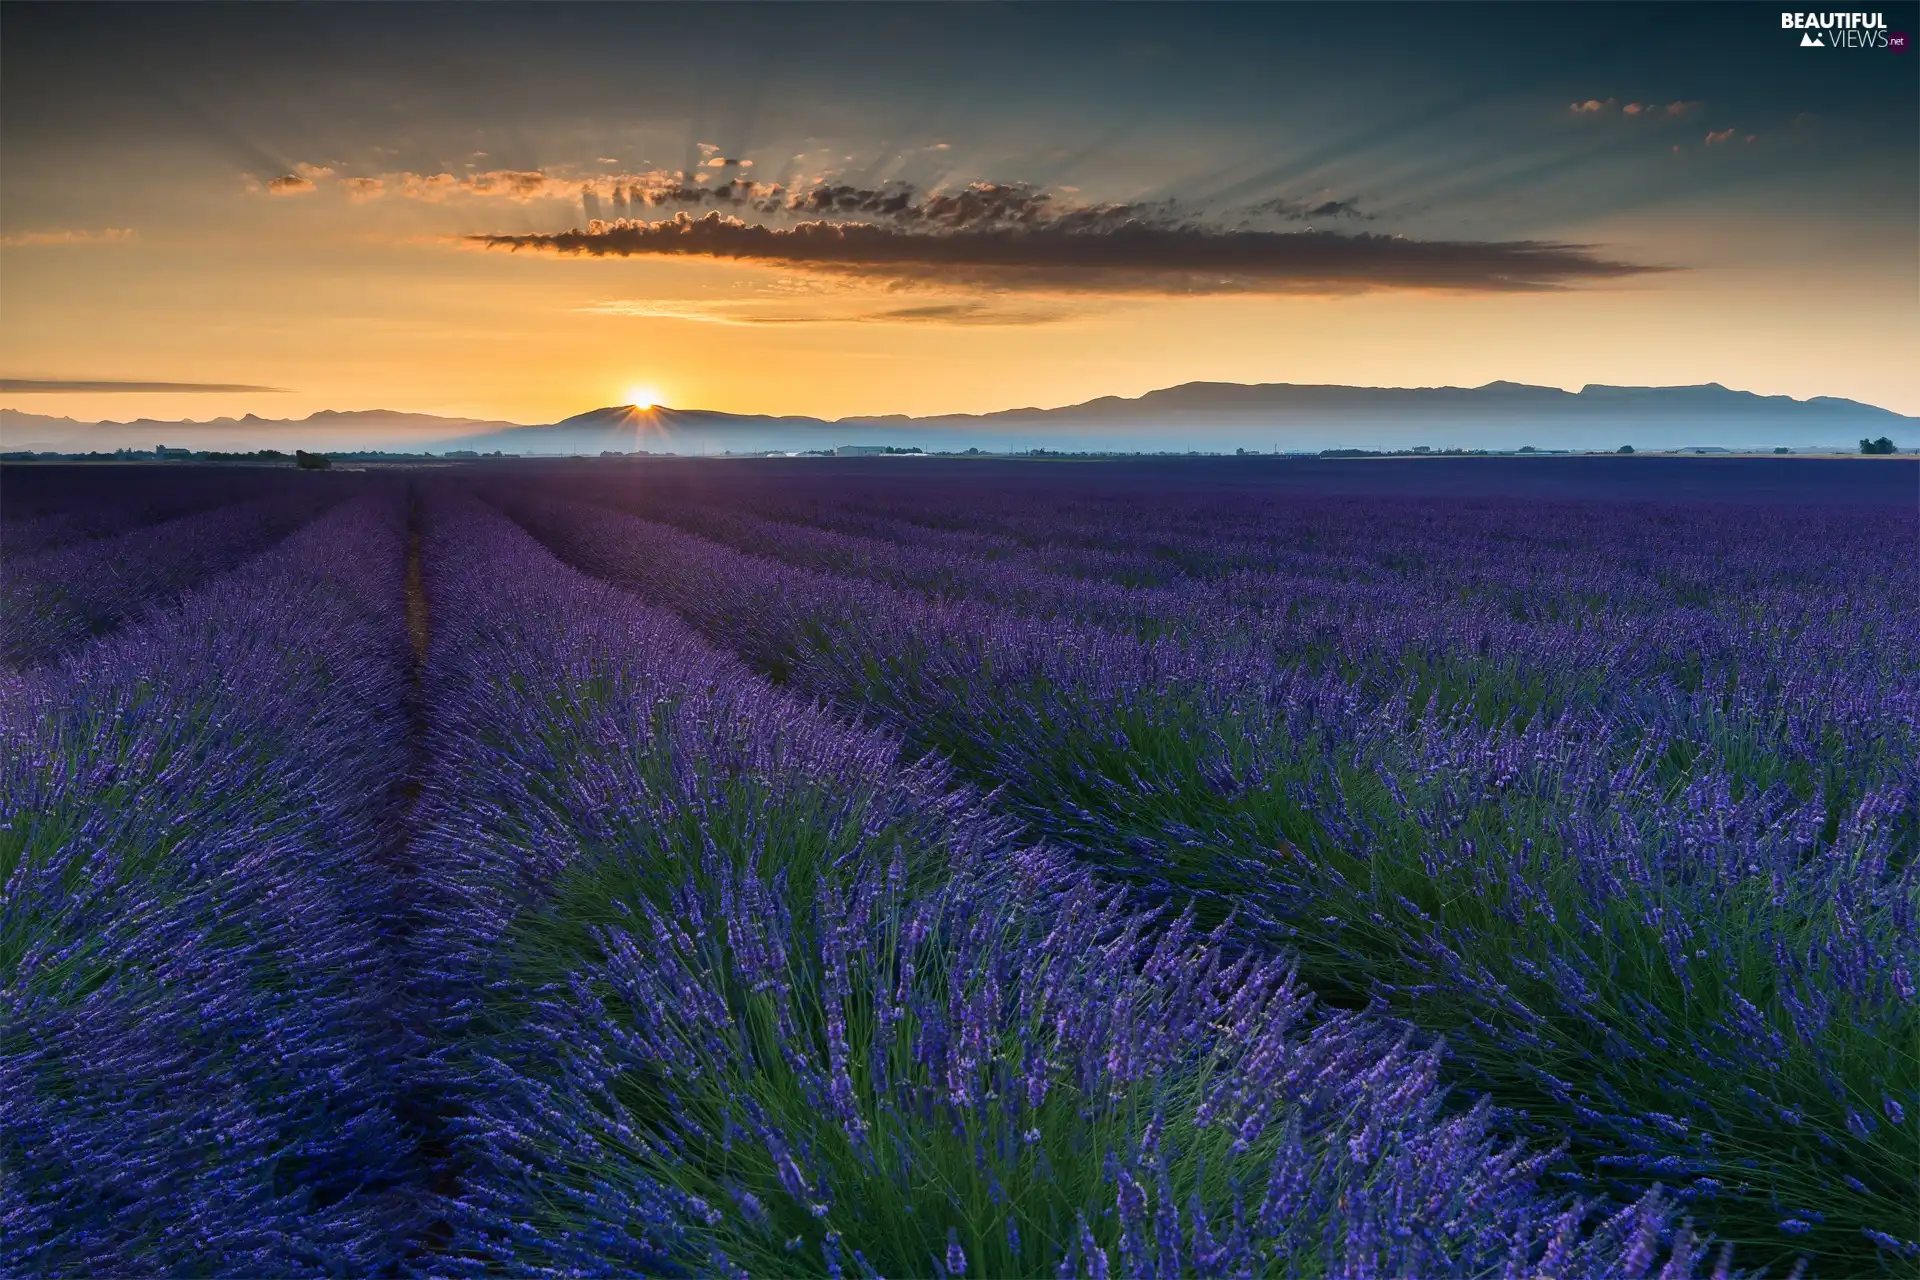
956, 1258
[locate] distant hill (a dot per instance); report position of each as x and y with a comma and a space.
1228, 415
1197, 415
327, 429
624, 429
1480, 412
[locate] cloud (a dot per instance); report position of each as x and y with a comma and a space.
1309, 210
696, 313
522, 186
1648, 109
1718, 136
30, 239
720, 184
304, 180
1336, 209
991, 236
1083, 251
977, 206
433, 187
33, 386
517, 185
1683, 108
964, 313
755, 314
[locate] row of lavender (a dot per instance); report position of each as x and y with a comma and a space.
1795, 610
74, 573
43, 507
199, 1056
1649, 868
732, 988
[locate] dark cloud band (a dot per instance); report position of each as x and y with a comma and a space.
1072, 253
30, 386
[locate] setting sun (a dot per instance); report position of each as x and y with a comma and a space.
642, 397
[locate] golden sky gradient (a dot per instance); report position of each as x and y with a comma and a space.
333, 264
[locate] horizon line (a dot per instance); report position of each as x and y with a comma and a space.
28, 386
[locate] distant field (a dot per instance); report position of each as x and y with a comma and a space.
1404, 867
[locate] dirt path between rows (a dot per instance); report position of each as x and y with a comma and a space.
423, 1106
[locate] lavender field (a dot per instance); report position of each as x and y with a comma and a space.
902, 867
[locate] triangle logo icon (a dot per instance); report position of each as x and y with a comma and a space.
1812, 41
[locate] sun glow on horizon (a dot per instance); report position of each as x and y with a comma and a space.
642, 398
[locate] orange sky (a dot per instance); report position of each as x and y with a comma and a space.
362, 320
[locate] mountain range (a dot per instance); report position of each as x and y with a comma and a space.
1206, 416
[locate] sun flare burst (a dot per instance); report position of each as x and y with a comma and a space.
642, 397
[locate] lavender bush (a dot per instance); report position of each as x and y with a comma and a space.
1609, 855
46, 507
745, 993
52, 602
196, 1064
